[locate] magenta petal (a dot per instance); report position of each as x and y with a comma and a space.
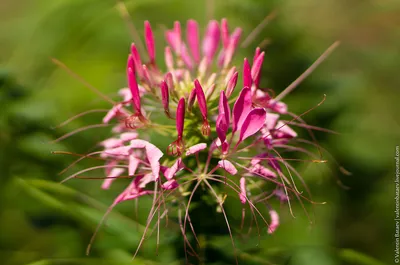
274, 221
118, 151
221, 127
192, 98
178, 40
228, 166
241, 108
136, 60
247, 81
115, 172
133, 165
263, 171
153, 154
256, 53
192, 36
112, 113
255, 70
223, 107
201, 99
211, 40
253, 123
231, 84
149, 38
242, 195
133, 86
196, 148
165, 96
170, 81
180, 117
186, 57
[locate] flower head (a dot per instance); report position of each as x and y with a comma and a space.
230, 137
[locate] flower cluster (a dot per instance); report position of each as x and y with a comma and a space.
229, 133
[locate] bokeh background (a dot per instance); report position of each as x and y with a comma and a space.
43, 223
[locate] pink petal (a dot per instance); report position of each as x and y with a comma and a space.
247, 81
178, 40
118, 151
270, 120
192, 98
211, 40
112, 113
263, 171
176, 167
279, 107
255, 70
196, 148
111, 143
233, 43
274, 221
256, 53
125, 93
170, 184
231, 84
241, 108
133, 165
253, 123
133, 86
223, 107
153, 154
115, 172
180, 117
193, 39
165, 96
284, 131
170, 81
221, 127
228, 166
169, 59
186, 57
225, 33
146, 180
136, 60
201, 99
146, 76
242, 195
128, 136
149, 39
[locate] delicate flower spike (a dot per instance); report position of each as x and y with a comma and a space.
176, 148
136, 60
247, 81
242, 195
192, 29
241, 108
165, 97
252, 124
153, 155
227, 166
211, 40
274, 221
149, 37
196, 148
231, 84
205, 128
114, 173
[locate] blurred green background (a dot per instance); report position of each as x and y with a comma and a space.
42, 222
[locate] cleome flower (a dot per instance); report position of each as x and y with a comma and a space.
230, 133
